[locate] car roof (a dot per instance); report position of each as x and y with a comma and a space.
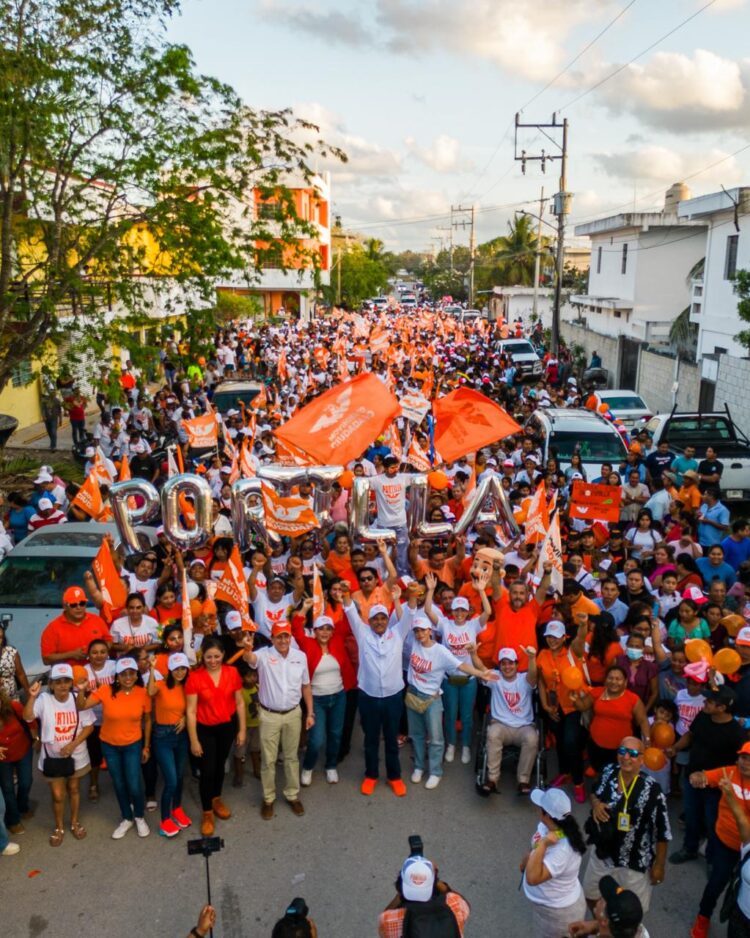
618, 392
576, 418
76, 537
237, 386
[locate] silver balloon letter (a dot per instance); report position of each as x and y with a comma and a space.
128, 516
490, 505
175, 531
359, 524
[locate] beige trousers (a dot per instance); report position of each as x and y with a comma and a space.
499, 735
280, 730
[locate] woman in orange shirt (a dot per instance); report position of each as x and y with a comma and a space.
616, 711
167, 610
602, 647
565, 719
125, 737
171, 739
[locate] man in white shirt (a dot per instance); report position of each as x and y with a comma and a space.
390, 497
381, 681
283, 680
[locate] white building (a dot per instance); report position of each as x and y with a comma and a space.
511, 303
727, 249
640, 265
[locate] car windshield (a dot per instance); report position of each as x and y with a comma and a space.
520, 348
592, 447
699, 431
626, 402
226, 400
39, 581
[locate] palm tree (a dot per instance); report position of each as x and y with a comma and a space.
514, 253
374, 249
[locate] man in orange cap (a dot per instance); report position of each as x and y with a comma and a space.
67, 637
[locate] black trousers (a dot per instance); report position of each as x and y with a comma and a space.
350, 717
216, 741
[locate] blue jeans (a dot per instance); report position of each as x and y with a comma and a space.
422, 725
723, 861
171, 749
402, 551
458, 702
16, 795
328, 726
4, 839
381, 714
124, 764
701, 805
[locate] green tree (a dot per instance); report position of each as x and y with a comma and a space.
443, 278
125, 175
361, 277
513, 255
742, 289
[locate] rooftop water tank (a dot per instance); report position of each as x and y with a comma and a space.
675, 194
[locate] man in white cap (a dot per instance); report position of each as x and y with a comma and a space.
512, 719
429, 903
46, 515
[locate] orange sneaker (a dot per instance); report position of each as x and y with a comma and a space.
368, 786
397, 787
700, 927
220, 809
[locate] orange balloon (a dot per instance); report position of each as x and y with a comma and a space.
79, 673
654, 759
572, 678
697, 648
733, 623
196, 607
209, 607
346, 479
727, 661
662, 735
603, 408
437, 480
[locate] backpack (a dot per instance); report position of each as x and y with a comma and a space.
432, 919
733, 889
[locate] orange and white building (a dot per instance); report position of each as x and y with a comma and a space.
291, 290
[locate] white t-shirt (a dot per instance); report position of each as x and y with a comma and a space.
688, 709
743, 898
281, 678
268, 614
58, 728
428, 667
96, 679
327, 677
563, 864
390, 495
511, 701
147, 589
124, 633
457, 637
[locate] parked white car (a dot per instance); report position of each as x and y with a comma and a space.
626, 406
564, 431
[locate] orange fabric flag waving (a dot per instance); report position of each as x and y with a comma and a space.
319, 599
537, 519
339, 425
290, 516
89, 497
232, 588
112, 588
202, 431
466, 420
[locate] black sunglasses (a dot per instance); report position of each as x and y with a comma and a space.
77, 605
633, 753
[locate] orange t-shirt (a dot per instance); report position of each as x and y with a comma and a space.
584, 604
613, 719
690, 496
446, 574
169, 703
123, 714
509, 629
381, 594
597, 669
551, 667
468, 592
726, 826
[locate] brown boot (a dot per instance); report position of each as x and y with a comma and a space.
255, 758
239, 772
220, 809
207, 824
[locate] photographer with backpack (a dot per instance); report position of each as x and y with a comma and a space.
424, 906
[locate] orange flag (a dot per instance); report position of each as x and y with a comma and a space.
466, 420
124, 474
110, 583
339, 425
290, 516
100, 468
289, 455
590, 501
537, 518
232, 588
319, 599
417, 457
89, 497
247, 466
281, 366
202, 431
260, 401
187, 621
392, 439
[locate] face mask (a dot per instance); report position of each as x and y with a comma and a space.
634, 654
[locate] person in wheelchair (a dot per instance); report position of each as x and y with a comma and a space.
512, 719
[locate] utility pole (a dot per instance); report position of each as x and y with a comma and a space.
538, 258
562, 201
449, 229
471, 211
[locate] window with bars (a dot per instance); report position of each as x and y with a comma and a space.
22, 374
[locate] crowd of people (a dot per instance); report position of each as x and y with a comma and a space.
620, 668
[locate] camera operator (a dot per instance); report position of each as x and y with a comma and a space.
295, 923
206, 921
618, 914
423, 901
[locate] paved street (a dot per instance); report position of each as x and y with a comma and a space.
347, 848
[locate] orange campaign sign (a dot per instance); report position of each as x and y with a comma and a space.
466, 420
290, 516
232, 589
202, 432
537, 518
595, 502
112, 588
89, 497
339, 425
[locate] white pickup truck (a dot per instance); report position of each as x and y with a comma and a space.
717, 430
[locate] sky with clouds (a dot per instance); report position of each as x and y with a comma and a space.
421, 94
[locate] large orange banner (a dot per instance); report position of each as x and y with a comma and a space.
590, 501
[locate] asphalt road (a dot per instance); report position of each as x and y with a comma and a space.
342, 856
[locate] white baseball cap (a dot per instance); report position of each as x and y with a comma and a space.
460, 602
61, 670
90, 451
43, 477
321, 621
233, 620
576, 476
177, 659
125, 664
377, 610
418, 878
45, 503
555, 628
421, 622
508, 654
553, 801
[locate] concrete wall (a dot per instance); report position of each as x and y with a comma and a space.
656, 377
607, 346
733, 388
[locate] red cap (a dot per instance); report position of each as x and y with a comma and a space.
74, 594
281, 628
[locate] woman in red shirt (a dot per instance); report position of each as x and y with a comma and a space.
616, 711
16, 755
215, 717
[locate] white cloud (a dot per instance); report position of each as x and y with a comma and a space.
332, 26
443, 155
683, 93
663, 165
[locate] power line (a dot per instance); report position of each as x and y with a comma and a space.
424, 219
635, 58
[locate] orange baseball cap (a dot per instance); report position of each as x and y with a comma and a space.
745, 751
281, 628
74, 594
